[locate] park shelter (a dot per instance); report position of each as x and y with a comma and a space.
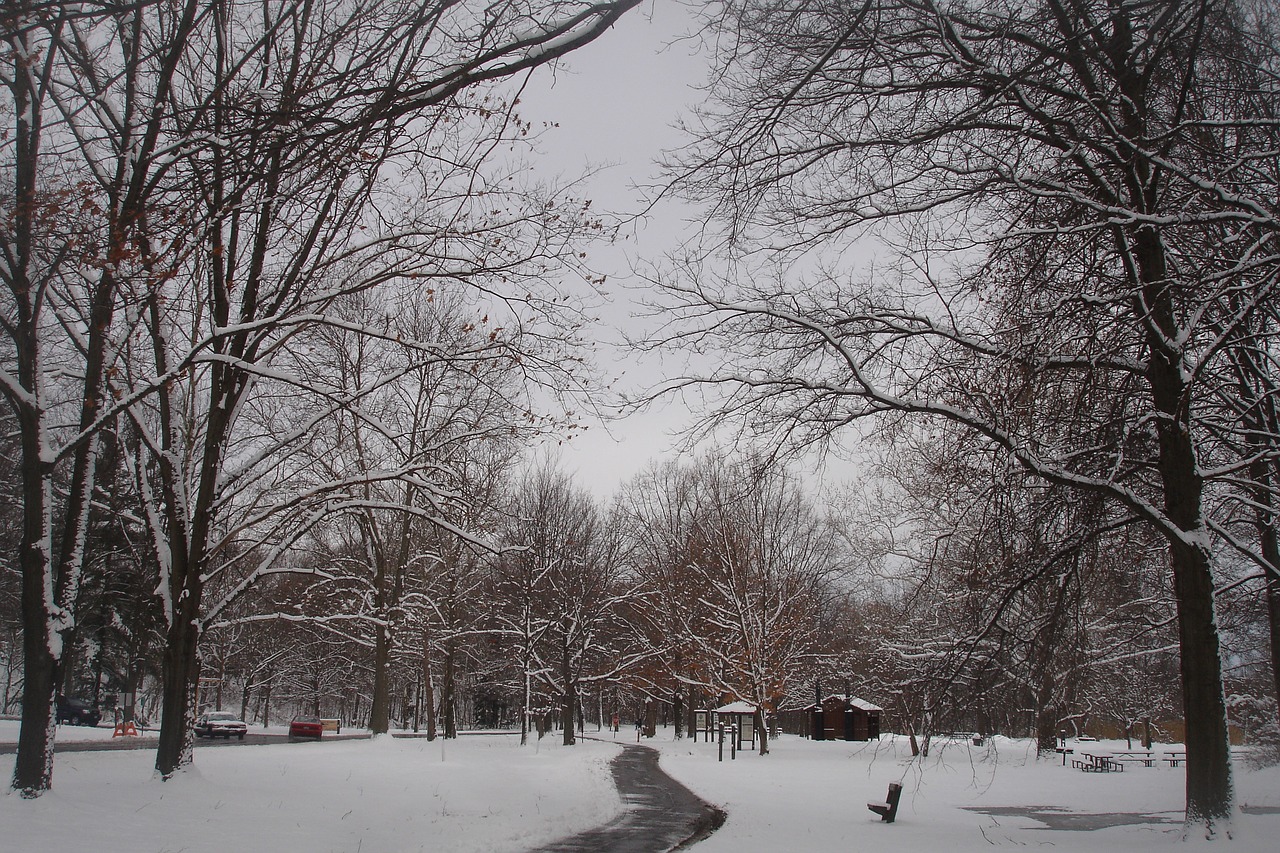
845, 718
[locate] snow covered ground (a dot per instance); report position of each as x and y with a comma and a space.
485, 793
482, 793
812, 796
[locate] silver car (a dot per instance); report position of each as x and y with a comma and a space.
224, 724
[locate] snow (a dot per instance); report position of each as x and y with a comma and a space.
737, 708
485, 792
477, 793
812, 795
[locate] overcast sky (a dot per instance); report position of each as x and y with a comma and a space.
616, 102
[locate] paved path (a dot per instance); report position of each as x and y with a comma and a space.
1054, 817
661, 813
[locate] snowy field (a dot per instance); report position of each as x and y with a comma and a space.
485, 793
812, 796
481, 793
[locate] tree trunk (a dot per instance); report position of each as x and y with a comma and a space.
380, 708
1046, 730
568, 700
222, 679
181, 669
379, 712
449, 692
1270, 543
1210, 793
429, 687
1273, 611
526, 697
33, 769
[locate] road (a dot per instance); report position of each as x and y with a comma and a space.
149, 740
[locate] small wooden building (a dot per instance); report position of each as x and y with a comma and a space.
841, 718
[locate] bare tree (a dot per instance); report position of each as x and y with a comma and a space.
1069, 199
180, 135
656, 513
557, 579
213, 161
762, 558
734, 567
84, 150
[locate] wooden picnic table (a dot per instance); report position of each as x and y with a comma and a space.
1097, 762
1144, 756
1175, 757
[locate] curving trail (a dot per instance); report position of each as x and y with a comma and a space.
661, 813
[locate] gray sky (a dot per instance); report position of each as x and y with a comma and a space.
616, 102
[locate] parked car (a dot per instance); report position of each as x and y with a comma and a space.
309, 727
77, 712
213, 724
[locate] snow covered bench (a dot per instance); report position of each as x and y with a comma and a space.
888, 810
1146, 759
1090, 763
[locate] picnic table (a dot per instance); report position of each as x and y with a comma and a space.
1143, 756
1175, 757
1097, 762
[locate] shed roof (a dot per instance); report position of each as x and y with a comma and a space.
737, 708
853, 701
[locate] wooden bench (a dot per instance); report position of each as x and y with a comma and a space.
973, 737
888, 810
1175, 758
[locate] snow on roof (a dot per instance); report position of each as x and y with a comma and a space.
860, 704
737, 708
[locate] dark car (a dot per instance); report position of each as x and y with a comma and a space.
213, 724
77, 712
308, 727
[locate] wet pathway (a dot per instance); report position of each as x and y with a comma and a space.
1057, 818
661, 814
